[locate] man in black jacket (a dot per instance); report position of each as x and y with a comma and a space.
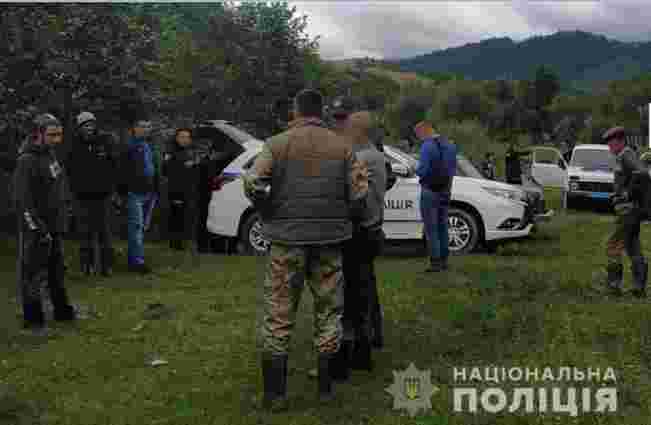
39, 192
92, 171
181, 167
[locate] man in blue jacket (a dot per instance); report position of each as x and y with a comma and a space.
138, 174
436, 169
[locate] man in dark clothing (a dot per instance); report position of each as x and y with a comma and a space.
181, 167
488, 166
39, 185
138, 184
92, 171
626, 235
513, 165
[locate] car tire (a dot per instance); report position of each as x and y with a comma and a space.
250, 231
464, 227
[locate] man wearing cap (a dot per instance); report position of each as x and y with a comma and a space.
39, 196
626, 235
93, 173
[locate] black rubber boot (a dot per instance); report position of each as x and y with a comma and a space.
325, 364
640, 269
274, 375
615, 278
340, 367
65, 314
362, 359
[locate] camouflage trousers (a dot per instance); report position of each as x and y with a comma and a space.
287, 270
625, 238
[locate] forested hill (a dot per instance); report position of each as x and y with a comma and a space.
579, 58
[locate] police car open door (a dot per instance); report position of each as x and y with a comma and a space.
548, 167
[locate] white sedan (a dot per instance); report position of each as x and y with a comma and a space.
481, 210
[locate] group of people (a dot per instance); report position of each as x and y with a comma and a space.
320, 190
96, 170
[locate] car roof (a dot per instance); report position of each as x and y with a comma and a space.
592, 146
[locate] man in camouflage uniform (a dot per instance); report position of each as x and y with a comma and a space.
307, 185
39, 184
626, 236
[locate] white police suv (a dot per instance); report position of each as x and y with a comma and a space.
481, 210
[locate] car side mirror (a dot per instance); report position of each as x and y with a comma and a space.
400, 170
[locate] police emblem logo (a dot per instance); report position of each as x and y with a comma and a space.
412, 390
412, 387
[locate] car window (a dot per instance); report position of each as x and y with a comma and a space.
465, 168
593, 159
239, 135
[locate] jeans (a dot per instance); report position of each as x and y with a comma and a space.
434, 211
136, 203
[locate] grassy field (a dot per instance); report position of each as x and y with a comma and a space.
535, 303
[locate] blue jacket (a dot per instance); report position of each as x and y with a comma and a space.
429, 159
137, 168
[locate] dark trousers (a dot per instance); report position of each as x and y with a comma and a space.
94, 224
41, 262
362, 317
182, 222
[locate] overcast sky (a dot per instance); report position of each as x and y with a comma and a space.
387, 29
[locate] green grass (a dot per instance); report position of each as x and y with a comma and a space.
535, 303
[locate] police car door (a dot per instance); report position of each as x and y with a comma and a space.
549, 168
401, 207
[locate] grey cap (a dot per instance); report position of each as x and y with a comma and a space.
85, 117
46, 120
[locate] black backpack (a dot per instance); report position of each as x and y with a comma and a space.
443, 169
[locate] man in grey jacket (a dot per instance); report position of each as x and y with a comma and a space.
360, 252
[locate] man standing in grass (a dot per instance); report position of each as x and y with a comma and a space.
138, 174
626, 235
436, 169
307, 185
39, 185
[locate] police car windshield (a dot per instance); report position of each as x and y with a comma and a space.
593, 159
403, 156
465, 168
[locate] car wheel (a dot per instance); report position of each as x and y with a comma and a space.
251, 239
463, 229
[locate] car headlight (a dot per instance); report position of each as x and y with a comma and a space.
574, 186
512, 195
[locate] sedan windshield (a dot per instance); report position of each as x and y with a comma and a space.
592, 159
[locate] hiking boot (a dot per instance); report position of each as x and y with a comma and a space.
325, 364
274, 376
615, 278
444, 264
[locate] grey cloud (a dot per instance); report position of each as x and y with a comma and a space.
403, 29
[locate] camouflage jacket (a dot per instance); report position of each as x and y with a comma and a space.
307, 185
